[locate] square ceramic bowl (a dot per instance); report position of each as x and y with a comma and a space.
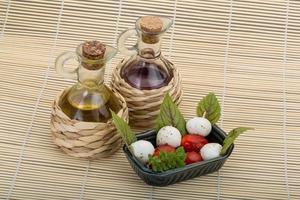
179, 174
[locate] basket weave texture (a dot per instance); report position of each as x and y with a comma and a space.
90, 140
144, 105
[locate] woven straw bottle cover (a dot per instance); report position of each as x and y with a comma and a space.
82, 127
146, 76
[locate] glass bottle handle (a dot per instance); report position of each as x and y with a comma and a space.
60, 62
122, 40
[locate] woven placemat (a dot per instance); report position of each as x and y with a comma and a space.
247, 52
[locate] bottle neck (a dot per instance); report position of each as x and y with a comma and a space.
149, 46
91, 77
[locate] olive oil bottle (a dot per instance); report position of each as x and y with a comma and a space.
89, 99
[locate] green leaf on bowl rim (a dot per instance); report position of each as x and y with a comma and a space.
123, 129
232, 135
209, 107
170, 115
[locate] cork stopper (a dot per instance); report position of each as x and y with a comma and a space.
93, 50
152, 24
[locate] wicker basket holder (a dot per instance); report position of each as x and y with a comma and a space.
90, 140
144, 105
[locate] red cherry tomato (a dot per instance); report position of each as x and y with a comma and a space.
192, 157
193, 142
163, 148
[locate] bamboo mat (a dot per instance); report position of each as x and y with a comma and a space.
246, 51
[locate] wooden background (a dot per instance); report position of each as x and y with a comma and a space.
246, 51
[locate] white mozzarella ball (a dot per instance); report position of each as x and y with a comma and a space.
141, 149
198, 125
210, 151
168, 135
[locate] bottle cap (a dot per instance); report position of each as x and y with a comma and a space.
151, 24
93, 49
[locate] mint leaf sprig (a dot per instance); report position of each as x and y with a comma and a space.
232, 135
168, 160
170, 115
123, 129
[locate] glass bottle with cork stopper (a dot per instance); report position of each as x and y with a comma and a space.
146, 69
145, 76
89, 99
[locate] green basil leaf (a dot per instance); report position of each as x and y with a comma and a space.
180, 152
170, 115
181, 163
209, 106
233, 134
167, 160
123, 129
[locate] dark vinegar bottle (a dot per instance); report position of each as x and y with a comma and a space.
146, 69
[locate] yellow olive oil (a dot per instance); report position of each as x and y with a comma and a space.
90, 106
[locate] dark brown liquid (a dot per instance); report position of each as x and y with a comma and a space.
145, 75
88, 108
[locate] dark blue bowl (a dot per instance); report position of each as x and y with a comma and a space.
179, 174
